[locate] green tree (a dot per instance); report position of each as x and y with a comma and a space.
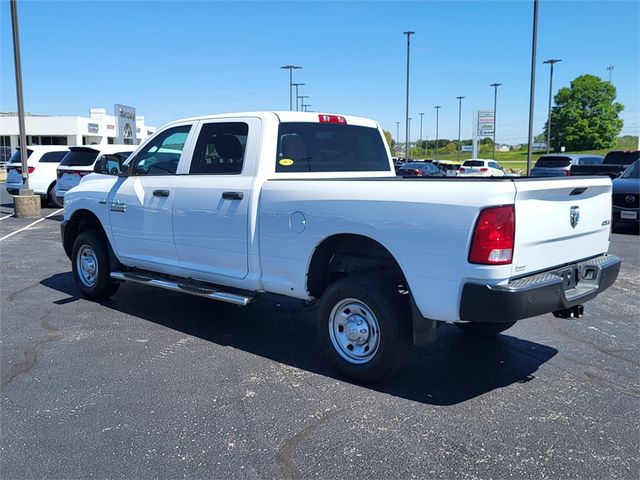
451, 147
389, 138
585, 116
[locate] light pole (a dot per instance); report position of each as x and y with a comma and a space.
459, 124
397, 135
610, 69
406, 147
495, 106
19, 96
291, 68
421, 115
301, 97
409, 137
305, 107
437, 107
297, 97
551, 62
534, 42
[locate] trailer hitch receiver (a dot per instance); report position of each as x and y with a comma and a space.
573, 312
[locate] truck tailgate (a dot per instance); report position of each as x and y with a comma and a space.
560, 221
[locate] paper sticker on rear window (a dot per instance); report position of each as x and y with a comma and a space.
286, 162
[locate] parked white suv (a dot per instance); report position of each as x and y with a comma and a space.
42, 162
80, 161
479, 167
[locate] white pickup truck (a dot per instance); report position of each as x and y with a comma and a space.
307, 205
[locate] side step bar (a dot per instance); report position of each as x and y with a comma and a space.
200, 291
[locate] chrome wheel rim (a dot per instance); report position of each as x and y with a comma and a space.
87, 266
354, 331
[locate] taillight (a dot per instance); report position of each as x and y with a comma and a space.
461, 169
417, 172
493, 236
59, 172
567, 173
484, 169
30, 169
332, 119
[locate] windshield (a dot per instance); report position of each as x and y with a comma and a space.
80, 158
328, 147
633, 171
553, 162
621, 158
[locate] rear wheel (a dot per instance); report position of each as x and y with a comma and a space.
484, 329
364, 328
51, 197
91, 268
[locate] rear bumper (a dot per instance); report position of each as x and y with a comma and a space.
538, 294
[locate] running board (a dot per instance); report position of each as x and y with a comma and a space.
198, 290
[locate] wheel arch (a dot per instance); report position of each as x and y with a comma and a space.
347, 253
81, 220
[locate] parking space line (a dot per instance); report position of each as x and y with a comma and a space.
31, 224
2, 218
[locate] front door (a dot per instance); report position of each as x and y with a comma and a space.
141, 204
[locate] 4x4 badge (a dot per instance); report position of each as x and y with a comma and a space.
574, 216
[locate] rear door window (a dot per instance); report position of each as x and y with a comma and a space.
325, 147
553, 162
220, 149
53, 157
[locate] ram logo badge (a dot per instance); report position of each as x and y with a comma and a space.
574, 216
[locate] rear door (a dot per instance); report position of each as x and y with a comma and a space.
560, 221
212, 202
140, 204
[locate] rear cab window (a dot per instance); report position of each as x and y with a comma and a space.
553, 162
329, 147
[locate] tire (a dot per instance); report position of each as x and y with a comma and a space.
364, 328
91, 267
484, 329
51, 197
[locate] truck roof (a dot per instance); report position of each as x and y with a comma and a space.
285, 116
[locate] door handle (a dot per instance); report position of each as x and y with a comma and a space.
233, 195
161, 193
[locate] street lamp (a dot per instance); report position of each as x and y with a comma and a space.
406, 147
409, 137
297, 97
421, 115
437, 107
534, 42
304, 107
459, 124
397, 135
551, 62
610, 69
301, 97
495, 106
291, 68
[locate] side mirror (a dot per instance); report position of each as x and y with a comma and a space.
124, 170
100, 165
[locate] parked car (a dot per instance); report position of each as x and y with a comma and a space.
448, 167
626, 196
613, 164
478, 167
42, 162
208, 207
558, 165
81, 161
419, 169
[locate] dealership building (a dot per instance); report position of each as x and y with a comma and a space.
99, 128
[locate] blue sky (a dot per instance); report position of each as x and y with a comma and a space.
174, 59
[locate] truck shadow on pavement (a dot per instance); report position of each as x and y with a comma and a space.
453, 369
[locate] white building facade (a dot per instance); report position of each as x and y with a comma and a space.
99, 128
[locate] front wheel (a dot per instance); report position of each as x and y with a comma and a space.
365, 329
484, 329
91, 268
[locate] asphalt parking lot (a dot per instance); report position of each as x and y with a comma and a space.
154, 384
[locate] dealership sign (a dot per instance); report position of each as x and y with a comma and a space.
125, 124
486, 123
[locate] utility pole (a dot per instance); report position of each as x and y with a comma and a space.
495, 114
459, 126
533, 82
297, 96
26, 204
291, 68
437, 107
610, 70
406, 147
551, 62
421, 115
